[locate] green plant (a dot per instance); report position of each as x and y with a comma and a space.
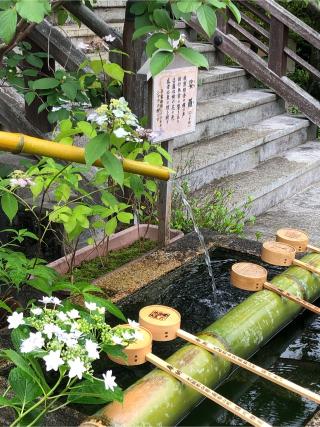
54, 348
212, 212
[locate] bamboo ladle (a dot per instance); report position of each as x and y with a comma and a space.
253, 277
277, 253
140, 352
164, 324
296, 238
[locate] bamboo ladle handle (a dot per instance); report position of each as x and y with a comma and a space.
250, 366
140, 351
306, 266
313, 248
292, 297
206, 391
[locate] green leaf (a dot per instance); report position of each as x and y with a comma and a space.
30, 72
9, 205
217, 4
4, 306
153, 159
19, 361
62, 16
112, 308
29, 97
235, 11
186, 6
114, 71
125, 217
207, 19
87, 129
34, 60
138, 8
8, 24
136, 185
162, 18
144, 30
163, 45
150, 46
33, 11
24, 387
70, 89
151, 186
96, 147
46, 83
164, 153
93, 392
160, 61
111, 226
113, 166
196, 58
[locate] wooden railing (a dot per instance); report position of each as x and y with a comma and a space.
260, 45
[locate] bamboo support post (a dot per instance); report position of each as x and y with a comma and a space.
164, 325
253, 277
18, 143
139, 352
277, 253
296, 238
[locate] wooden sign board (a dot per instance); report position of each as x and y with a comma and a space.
174, 100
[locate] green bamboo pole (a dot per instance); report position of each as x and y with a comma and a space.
159, 399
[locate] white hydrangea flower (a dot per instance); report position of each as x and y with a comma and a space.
36, 311
51, 329
62, 316
101, 310
92, 117
117, 340
121, 133
50, 300
128, 335
92, 306
82, 46
118, 113
34, 342
15, 320
133, 323
73, 314
109, 38
77, 368
109, 381
53, 360
68, 339
92, 349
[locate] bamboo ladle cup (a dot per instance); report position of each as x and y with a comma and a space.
140, 352
164, 324
253, 277
277, 253
296, 238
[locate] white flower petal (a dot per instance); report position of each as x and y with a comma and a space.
15, 320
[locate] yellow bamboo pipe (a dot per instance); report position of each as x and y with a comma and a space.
18, 143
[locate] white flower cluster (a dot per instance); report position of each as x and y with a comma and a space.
118, 117
70, 340
180, 42
18, 178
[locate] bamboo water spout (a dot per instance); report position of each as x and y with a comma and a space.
164, 324
18, 143
296, 238
277, 253
253, 277
140, 352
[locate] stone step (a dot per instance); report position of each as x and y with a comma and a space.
273, 180
228, 112
239, 150
222, 80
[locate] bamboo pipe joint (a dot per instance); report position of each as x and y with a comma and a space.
163, 322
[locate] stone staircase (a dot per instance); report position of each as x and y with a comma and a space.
245, 141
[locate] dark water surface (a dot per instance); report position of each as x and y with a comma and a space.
293, 353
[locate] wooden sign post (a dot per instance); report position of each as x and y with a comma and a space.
172, 111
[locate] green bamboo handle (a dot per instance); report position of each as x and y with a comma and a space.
292, 297
306, 266
206, 391
249, 366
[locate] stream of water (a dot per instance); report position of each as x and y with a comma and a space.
200, 236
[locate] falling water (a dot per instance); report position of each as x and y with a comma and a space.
199, 234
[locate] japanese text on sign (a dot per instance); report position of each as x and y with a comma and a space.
174, 102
